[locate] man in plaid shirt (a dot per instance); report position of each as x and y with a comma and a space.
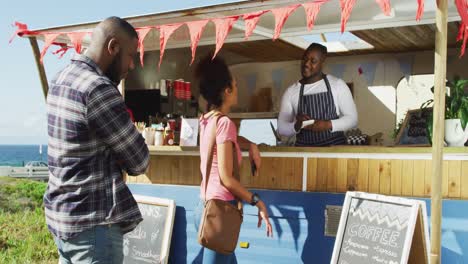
92, 141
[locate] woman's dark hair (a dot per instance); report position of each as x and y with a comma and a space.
213, 78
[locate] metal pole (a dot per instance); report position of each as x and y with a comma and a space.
440, 67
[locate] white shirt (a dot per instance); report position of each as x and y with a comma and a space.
344, 104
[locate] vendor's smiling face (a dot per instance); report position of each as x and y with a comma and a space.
311, 64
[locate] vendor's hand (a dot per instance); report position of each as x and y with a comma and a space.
299, 119
254, 156
320, 125
263, 215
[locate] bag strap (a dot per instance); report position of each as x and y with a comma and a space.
211, 144
209, 161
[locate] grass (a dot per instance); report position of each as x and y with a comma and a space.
24, 237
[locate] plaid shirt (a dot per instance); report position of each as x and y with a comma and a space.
91, 142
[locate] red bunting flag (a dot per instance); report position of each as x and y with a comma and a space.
142, 32
312, 10
462, 7
420, 10
165, 32
20, 28
62, 50
223, 26
385, 6
196, 30
251, 21
76, 38
281, 15
462, 35
49, 39
346, 8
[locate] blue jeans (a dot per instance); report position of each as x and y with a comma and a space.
211, 256
98, 245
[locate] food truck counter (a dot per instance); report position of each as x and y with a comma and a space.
404, 171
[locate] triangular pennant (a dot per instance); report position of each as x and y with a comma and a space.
165, 32
196, 30
76, 39
142, 32
461, 31
465, 39
49, 38
281, 15
251, 21
251, 81
385, 6
406, 66
462, 7
346, 8
368, 69
223, 26
312, 10
337, 70
20, 28
62, 50
420, 10
277, 75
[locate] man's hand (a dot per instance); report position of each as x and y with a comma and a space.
320, 125
299, 119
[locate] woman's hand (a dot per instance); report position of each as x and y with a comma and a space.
254, 156
263, 215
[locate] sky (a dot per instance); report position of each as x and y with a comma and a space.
23, 109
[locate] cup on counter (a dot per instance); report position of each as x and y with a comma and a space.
172, 124
187, 91
159, 137
148, 135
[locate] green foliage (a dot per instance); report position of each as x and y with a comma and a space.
456, 103
397, 129
24, 237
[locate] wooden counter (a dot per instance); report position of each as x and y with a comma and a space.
404, 171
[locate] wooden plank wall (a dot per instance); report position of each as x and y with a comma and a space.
275, 173
391, 177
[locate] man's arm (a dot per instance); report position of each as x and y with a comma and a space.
348, 114
108, 117
286, 117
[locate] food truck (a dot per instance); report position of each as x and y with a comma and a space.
389, 54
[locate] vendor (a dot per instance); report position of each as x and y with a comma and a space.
323, 98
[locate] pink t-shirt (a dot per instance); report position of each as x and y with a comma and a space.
225, 131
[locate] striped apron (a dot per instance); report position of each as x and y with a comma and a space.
320, 106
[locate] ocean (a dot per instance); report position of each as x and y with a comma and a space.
18, 155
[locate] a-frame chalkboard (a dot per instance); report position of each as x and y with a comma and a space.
381, 229
150, 241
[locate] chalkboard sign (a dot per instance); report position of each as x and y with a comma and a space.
413, 130
150, 241
381, 229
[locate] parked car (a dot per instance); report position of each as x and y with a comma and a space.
36, 166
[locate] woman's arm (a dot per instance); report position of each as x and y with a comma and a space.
254, 152
225, 168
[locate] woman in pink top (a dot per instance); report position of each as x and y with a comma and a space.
218, 88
